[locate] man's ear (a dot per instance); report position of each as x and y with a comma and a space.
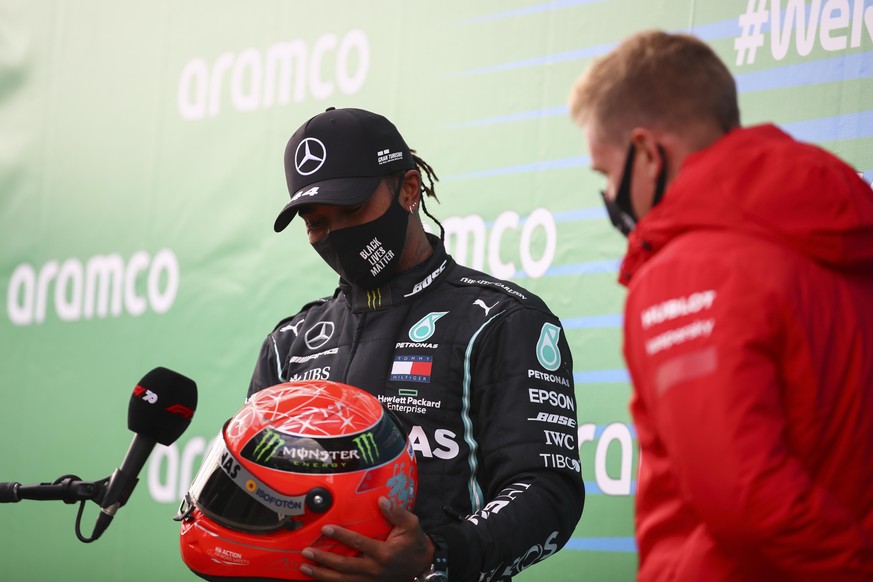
646, 144
410, 193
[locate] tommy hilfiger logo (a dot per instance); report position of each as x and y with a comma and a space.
411, 369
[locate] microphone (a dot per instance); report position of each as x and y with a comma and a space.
160, 409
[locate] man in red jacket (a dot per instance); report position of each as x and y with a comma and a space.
748, 324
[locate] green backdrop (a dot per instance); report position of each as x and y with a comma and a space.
141, 169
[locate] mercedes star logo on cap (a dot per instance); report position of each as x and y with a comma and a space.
310, 156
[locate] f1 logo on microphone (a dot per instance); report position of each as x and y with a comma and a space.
181, 410
145, 394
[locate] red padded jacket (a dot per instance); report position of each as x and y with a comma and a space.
749, 339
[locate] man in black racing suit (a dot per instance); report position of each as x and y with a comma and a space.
477, 369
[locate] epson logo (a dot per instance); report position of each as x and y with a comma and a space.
103, 286
253, 79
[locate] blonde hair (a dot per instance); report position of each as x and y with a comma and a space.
655, 79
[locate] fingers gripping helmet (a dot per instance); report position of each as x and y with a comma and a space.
297, 456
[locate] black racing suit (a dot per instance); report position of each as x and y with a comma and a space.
479, 371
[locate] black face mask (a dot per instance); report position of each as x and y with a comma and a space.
367, 255
620, 210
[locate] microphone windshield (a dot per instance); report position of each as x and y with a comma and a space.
162, 405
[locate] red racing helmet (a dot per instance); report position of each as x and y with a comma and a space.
297, 456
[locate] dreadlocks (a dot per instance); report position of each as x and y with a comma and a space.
428, 189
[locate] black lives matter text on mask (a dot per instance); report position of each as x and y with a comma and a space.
376, 254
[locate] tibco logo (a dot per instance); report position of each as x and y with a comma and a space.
104, 286
254, 79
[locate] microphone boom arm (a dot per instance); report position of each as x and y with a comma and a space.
68, 488
159, 411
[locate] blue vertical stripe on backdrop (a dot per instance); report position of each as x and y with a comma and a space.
616, 376
537, 166
586, 268
533, 9
842, 68
597, 213
623, 544
840, 127
593, 322
591, 488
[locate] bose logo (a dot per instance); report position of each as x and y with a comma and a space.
424, 284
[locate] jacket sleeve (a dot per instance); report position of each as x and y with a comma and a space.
267, 368
528, 492
705, 339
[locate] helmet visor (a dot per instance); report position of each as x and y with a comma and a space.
227, 493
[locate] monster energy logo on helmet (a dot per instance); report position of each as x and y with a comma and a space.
293, 453
367, 447
269, 444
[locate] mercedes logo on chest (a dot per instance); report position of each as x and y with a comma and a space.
309, 156
318, 335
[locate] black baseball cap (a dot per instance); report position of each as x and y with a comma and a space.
339, 157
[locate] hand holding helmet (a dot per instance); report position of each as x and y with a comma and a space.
296, 457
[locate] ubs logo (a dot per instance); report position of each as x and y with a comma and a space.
318, 335
309, 156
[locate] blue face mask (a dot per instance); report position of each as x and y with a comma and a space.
367, 255
620, 210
